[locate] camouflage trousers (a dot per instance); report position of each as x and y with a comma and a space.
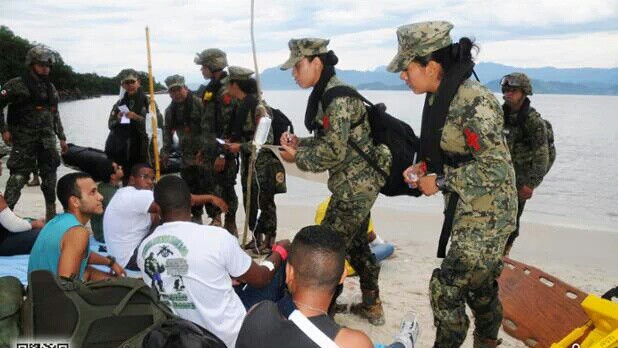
348, 215
469, 275
515, 234
262, 195
223, 184
29, 157
199, 183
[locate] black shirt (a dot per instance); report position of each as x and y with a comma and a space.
265, 327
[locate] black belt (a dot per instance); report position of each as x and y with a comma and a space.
455, 160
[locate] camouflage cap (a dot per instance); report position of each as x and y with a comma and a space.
517, 80
239, 73
214, 59
40, 54
174, 81
128, 75
300, 48
418, 40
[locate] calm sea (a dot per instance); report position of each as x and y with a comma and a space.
580, 190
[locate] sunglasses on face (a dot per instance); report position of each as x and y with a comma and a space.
128, 82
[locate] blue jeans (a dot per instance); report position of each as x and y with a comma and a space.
274, 291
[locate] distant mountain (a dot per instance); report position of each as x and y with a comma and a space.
545, 80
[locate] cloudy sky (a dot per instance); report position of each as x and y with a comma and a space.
106, 36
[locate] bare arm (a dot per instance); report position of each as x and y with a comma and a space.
209, 199
73, 248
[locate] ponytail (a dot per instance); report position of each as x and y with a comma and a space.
328, 59
460, 52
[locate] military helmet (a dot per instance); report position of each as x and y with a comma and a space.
40, 54
214, 59
517, 80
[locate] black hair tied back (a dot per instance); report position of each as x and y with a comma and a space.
331, 58
462, 51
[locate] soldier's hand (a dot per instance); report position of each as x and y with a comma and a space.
289, 139
232, 147
288, 153
427, 185
132, 115
524, 193
117, 270
6, 137
219, 164
413, 173
63, 146
199, 157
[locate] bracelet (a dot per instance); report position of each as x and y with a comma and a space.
281, 251
112, 260
222, 156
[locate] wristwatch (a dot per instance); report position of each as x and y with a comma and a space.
441, 183
112, 260
222, 156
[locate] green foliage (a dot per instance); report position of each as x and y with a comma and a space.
13, 51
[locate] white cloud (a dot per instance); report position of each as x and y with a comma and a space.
105, 37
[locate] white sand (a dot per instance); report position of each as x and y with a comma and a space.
583, 258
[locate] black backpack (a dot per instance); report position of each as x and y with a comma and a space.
106, 313
280, 125
386, 129
178, 332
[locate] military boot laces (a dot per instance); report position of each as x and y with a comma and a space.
370, 309
485, 342
35, 181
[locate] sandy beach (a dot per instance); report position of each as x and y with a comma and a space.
580, 257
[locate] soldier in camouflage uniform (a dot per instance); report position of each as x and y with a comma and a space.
477, 175
527, 141
218, 108
129, 130
269, 175
33, 125
184, 116
353, 182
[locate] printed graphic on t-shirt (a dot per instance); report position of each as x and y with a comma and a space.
165, 264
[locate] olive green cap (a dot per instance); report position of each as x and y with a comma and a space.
306, 47
239, 73
128, 74
419, 40
174, 81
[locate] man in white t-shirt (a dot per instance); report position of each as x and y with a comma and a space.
132, 212
192, 266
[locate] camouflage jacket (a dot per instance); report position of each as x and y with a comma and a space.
218, 112
134, 105
34, 122
474, 125
528, 145
190, 131
328, 149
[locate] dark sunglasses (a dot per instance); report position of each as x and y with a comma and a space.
128, 82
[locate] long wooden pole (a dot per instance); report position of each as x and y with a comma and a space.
153, 111
253, 148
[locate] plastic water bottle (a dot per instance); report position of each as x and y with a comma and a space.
261, 133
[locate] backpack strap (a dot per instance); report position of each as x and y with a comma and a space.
346, 91
312, 331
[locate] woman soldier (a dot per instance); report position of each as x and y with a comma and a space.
270, 178
464, 155
127, 143
352, 180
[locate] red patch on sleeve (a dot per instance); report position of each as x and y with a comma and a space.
472, 139
227, 99
325, 121
424, 167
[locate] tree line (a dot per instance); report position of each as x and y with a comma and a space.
70, 84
